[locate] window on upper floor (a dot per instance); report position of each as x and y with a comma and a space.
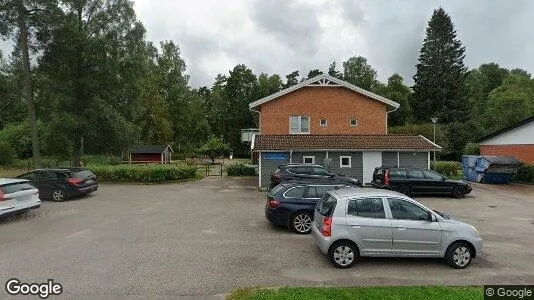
353, 122
299, 124
323, 123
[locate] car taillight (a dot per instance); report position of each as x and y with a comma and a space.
327, 226
386, 178
273, 203
75, 181
2, 197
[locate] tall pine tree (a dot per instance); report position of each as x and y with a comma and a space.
439, 81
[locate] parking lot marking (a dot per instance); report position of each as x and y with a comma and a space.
78, 233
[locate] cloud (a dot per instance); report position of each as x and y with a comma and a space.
275, 36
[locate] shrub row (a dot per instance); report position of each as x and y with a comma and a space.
240, 170
525, 174
137, 173
448, 168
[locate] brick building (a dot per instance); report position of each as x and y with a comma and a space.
516, 140
327, 121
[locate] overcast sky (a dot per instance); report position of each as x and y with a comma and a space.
280, 36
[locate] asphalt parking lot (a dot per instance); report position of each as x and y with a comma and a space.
210, 237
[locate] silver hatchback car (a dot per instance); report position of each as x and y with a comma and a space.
349, 223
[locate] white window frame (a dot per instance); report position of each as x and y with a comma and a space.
355, 119
341, 161
308, 156
325, 122
300, 124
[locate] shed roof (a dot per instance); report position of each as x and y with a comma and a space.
502, 160
392, 142
325, 80
145, 149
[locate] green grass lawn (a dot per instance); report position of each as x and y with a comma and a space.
412, 293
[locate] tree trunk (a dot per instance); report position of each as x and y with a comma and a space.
28, 90
78, 152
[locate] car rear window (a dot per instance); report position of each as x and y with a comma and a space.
295, 192
83, 174
397, 173
16, 187
276, 189
326, 205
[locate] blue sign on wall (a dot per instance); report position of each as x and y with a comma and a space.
275, 156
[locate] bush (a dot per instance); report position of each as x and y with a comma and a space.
6, 154
142, 173
525, 174
240, 170
448, 168
472, 149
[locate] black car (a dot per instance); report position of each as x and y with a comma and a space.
308, 172
416, 181
60, 184
292, 204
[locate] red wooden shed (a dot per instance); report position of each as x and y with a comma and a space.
151, 154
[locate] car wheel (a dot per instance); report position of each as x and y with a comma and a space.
458, 192
58, 195
343, 254
459, 255
404, 190
301, 223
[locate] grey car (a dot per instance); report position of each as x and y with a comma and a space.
349, 223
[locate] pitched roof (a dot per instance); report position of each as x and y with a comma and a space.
325, 80
149, 148
496, 133
397, 142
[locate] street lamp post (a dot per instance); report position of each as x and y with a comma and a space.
434, 121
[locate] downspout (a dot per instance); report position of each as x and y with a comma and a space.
387, 115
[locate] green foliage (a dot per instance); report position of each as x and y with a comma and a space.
214, 148
396, 90
292, 79
140, 173
525, 174
426, 130
472, 149
358, 72
332, 71
447, 168
7, 154
510, 103
385, 293
439, 81
240, 170
313, 73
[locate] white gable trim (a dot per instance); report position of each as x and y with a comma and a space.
324, 80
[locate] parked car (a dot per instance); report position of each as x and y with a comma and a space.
308, 172
292, 204
410, 181
17, 196
379, 222
61, 184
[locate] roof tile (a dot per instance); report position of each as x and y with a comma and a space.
343, 142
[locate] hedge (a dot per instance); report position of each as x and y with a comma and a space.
240, 170
525, 174
143, 173
448, 168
